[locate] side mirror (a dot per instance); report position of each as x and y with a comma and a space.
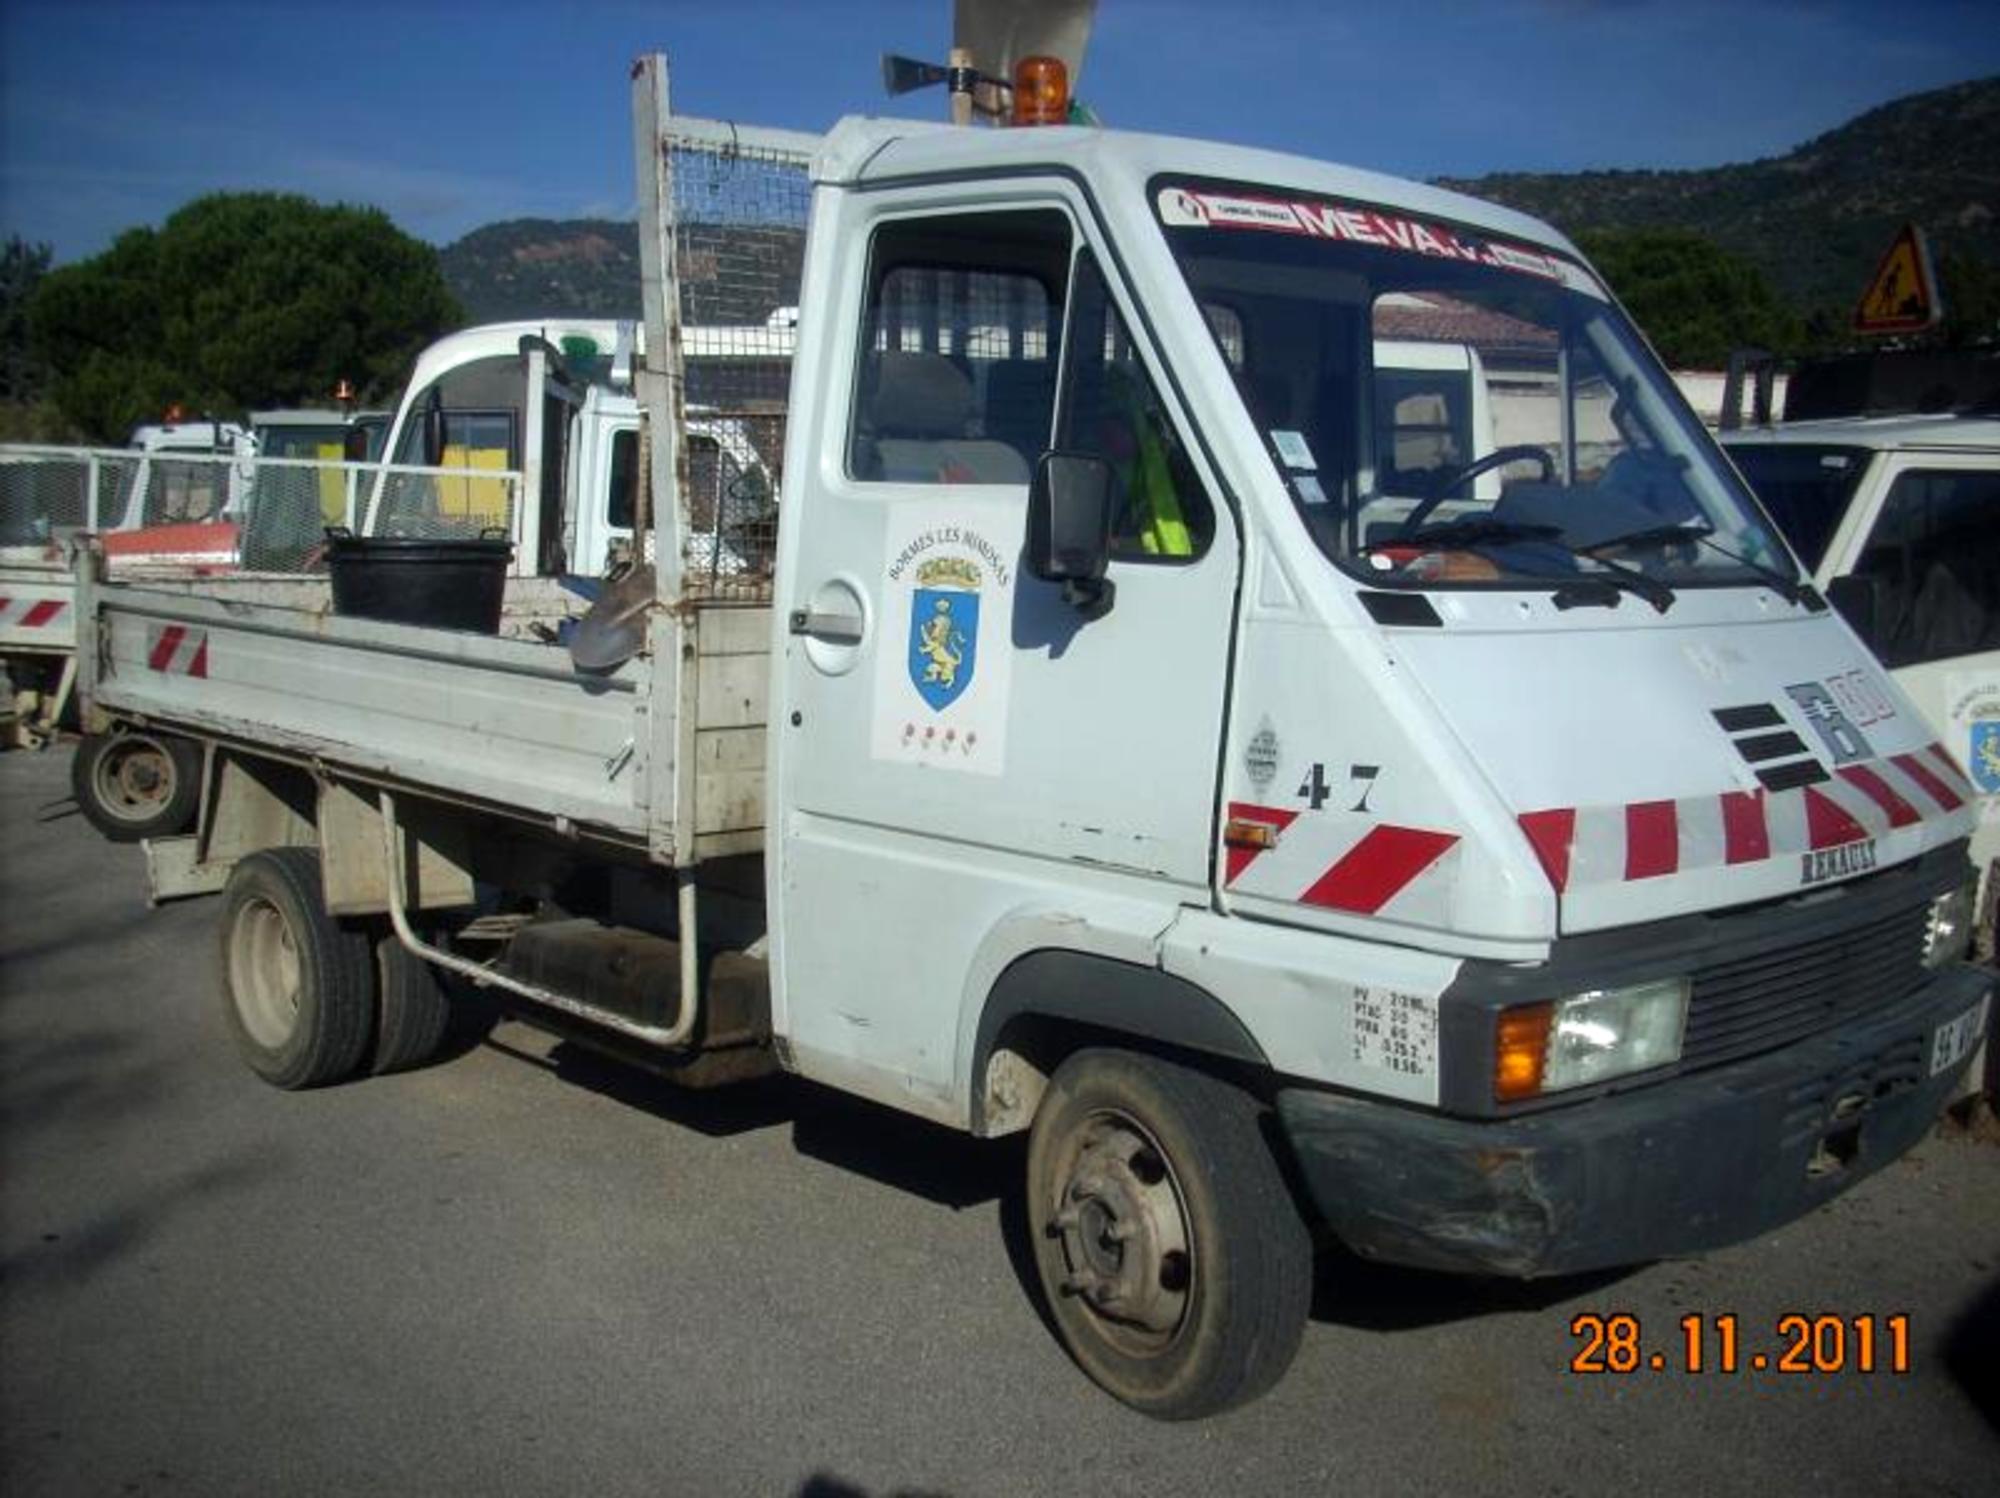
354, 445
1858, 599
434, 432
1069, 528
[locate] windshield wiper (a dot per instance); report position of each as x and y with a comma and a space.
1471, 533
1659, 535
1786, 587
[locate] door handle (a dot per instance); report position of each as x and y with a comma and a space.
840, 629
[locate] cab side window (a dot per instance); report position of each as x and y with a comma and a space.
1111, 409
956, 380
1934, 558
622, 504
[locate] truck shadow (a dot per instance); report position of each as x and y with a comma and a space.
851, 1133
1361, 1294
957, 1172
1972, 1353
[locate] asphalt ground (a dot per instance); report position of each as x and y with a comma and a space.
526, 1270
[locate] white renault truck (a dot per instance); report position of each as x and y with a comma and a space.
1499, 878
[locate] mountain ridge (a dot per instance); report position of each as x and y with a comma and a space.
1814, 220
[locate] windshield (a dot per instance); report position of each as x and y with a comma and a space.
1448, 408
1805, 489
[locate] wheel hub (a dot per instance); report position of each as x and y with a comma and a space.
134, 778
1124, 1230
139, 776
265, 971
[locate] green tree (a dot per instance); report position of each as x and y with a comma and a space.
239, 300
1970, 290
22, 266
1695, 300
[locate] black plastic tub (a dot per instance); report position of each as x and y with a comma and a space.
443, 584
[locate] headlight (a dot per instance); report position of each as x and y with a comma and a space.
1588, 1037
1948, 932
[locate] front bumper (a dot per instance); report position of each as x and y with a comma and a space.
1680, 1167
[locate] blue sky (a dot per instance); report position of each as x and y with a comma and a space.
449, 113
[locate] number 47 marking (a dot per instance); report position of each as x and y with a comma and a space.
1315, 790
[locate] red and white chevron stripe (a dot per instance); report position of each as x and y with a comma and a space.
176, 650
1361, 870
1647, 839
31, 613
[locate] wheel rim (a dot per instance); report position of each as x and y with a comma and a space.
1121, 1224
264, 972
133, 778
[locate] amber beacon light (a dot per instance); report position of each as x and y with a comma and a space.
1041, 91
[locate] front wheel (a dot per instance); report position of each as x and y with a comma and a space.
137, 784
1176, 1265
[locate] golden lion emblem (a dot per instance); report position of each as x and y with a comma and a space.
942, 646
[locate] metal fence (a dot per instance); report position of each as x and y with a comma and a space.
257, 514
740, 203
44, 490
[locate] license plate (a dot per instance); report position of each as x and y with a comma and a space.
1956, 1036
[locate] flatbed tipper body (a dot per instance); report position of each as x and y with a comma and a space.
1158, 728
503, 722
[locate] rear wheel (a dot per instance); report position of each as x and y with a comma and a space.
412, 1011
137, 784
298, 986
1176, 1265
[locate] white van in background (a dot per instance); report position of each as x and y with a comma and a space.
1897, 518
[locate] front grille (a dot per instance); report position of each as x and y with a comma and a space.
1761, 1002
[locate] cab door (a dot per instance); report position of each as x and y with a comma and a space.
963, 755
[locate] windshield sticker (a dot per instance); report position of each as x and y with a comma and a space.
1292, 449
1310, 492
1181, 207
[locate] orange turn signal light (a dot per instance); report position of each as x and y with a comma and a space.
1520, 1050
1240, 833
1041, 91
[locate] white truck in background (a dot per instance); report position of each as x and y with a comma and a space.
552, 399
1126, 750
465, 444
167, 499
1897, 518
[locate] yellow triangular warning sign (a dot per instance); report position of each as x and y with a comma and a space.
1902, 297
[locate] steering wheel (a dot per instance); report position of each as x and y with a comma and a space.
1500, 457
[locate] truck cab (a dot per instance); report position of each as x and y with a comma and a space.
1515, 814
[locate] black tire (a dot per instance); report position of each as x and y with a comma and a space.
298, 986
1202, 1303
137, 784
412, 1010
